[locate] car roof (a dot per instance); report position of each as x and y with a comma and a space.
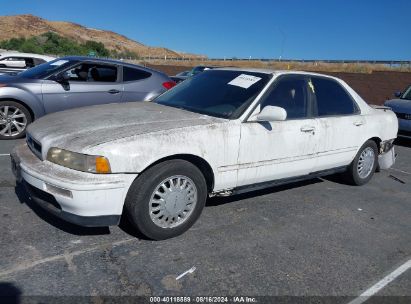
87, 58
272, 72
112, 61
6, 53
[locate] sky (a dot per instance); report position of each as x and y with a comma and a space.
292, 29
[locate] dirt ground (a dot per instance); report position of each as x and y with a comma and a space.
375, 87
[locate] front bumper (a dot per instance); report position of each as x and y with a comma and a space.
81, 198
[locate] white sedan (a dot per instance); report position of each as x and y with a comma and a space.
22, 60
223, 132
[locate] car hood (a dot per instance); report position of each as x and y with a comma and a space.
83, 128
399, 105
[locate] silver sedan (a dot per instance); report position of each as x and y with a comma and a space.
72, 82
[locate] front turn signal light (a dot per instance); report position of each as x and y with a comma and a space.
102, 165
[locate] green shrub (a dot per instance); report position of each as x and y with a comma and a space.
54, 44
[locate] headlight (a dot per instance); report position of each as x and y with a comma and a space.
77, 161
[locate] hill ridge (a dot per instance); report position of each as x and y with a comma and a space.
27, 25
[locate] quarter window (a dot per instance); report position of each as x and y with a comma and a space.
290, 93
38, 61
331, 98
131, 74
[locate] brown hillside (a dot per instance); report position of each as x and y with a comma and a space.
29, 25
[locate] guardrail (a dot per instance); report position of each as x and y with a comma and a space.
278, 60
350, 61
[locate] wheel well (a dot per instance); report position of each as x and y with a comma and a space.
377, 141
197, 161
23, 104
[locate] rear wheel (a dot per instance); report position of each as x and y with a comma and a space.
14, 119
167, 199
364, 164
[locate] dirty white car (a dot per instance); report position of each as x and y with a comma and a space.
223, 132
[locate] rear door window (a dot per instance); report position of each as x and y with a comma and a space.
331, 98
29, 62
133, 74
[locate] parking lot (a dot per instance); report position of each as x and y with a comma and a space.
314, 238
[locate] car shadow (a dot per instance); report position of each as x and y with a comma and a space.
24, 198
221, 200
9, 293
338, 179
126, 226
403, 142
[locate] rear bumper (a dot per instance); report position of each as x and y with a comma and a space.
386, 160
81, 198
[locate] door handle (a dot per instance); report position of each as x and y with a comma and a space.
358, 123
113, 91
307, 129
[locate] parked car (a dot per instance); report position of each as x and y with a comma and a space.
200, 68
180, 76
72, 82
402, 108
15, 62
223, 132
183, 73
194, 71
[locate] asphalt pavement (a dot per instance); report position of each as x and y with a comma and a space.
314, 238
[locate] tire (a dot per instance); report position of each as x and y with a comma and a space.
14, 119
144, 206
358, 177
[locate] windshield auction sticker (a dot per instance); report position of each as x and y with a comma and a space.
244, 81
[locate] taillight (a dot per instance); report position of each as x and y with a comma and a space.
169, 84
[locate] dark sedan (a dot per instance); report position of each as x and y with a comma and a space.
402, 108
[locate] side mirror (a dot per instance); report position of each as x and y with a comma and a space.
272, 113
398, 94
62, 77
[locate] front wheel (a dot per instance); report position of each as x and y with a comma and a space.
167, 199
364, 164
14, 119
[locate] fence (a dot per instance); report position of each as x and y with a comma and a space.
348, 61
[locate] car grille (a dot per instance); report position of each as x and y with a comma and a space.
403, 116
34, 146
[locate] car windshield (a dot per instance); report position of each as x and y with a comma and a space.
407, 94
46, 69
217, 93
